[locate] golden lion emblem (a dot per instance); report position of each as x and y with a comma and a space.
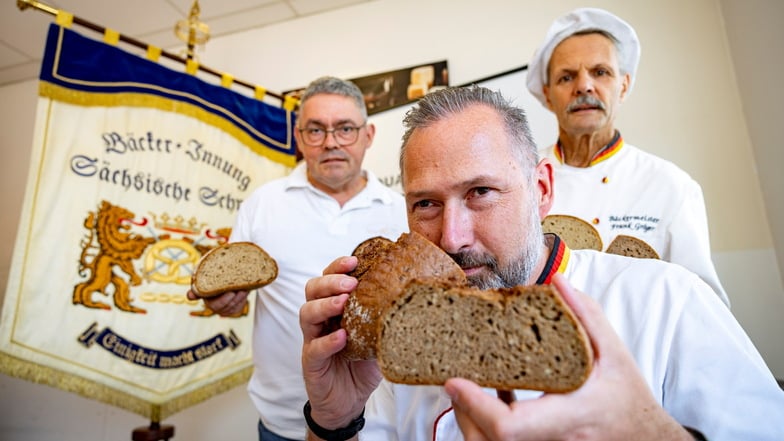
108, 246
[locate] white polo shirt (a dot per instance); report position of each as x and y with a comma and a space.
304, 230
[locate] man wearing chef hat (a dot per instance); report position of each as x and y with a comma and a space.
582, 72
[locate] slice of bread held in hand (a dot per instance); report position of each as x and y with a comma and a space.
577, 233
524, 337
632, 246
235, 266
383, 270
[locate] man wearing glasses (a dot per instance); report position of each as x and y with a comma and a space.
324, 208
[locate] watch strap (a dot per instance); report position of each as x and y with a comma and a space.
341, 434
696, 434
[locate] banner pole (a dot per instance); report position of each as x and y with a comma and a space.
24, 4
155, 432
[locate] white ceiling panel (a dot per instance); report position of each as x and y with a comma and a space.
250, 18
308, 7
211, 9
11, 56
25, 31
164, 39
20, 72
128, 17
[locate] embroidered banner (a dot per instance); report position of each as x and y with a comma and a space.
136, 171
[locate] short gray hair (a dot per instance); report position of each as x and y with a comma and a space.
335, 86
436, 106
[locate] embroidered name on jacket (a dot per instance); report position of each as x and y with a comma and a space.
638, 223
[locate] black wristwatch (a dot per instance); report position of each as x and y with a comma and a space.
696, 434
337, 434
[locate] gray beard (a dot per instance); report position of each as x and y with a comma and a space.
518, 272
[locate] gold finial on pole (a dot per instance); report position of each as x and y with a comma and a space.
24, 4
192, 31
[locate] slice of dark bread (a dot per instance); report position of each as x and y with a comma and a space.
524, 337
383, 270
632, 246
233, 266
577, 233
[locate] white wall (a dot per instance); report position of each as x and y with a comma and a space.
753, 31
686, 106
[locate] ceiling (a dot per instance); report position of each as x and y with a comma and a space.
23, 32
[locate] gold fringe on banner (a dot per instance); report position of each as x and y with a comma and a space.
48, 376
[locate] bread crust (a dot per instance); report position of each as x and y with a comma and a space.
256, 268
386, 269
367, 252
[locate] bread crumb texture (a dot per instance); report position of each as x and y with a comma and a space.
234, 266
632, 247
518, 338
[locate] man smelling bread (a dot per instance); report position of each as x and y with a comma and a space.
475, 186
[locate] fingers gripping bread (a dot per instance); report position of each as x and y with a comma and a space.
234, 266
383, 270
524, 337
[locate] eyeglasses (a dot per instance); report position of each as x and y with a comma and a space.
315, 136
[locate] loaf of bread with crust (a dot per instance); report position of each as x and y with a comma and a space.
383, 270
632, 246
368, 252
235, 266
524, 337
577, 233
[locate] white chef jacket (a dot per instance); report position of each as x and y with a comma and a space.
628, 191
303, 229
697, 360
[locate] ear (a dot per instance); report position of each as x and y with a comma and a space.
370, 130
627, 80
544, 182
298, 138
546, 93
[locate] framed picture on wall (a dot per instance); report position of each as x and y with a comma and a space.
399, 87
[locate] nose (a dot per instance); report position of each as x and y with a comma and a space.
584, 83
456, 229
330, 140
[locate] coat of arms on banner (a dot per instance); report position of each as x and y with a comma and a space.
167, 250
136, 172
115, 258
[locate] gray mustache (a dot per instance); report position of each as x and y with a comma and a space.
334, 155
584, 100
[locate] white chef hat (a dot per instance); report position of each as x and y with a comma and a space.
576, 21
